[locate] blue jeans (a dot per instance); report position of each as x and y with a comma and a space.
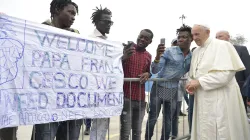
169, 109
60, 130
190, 111
176, 119
88, 123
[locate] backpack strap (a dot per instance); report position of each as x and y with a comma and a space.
70, 29
76, 31
47, 23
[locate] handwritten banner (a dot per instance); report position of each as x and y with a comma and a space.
50, 75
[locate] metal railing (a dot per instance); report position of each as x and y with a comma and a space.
183, 122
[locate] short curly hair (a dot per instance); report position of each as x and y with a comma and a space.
184, 28
96, 16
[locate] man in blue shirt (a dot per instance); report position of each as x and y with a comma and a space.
174, 42
170, 64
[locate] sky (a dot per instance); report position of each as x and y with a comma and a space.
130, 17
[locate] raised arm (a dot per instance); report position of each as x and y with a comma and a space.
160, 59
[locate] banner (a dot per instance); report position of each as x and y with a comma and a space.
50, 75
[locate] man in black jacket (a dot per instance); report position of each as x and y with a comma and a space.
244, 55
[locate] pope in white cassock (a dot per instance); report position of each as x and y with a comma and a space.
219, 112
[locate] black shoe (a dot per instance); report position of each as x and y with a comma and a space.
87, 131
182, 114
173, 138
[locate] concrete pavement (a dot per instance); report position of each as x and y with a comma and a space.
24, 132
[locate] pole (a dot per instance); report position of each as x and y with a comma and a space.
182, 17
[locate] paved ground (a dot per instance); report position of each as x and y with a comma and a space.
24, 132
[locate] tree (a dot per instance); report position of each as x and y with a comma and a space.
238, 40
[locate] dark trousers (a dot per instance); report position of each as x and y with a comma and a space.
88, 123
175, 122
131, 118
190, 112
61, 130
245, 102
186, 98
8, 133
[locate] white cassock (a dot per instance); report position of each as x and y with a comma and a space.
219, 112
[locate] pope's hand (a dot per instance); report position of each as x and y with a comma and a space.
192, 86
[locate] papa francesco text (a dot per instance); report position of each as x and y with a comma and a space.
74, 72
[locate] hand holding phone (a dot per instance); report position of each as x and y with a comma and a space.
128, 50
162, 41
128, 45
161, 48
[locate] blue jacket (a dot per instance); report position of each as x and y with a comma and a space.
172, 66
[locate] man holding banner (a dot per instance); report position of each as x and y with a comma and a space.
10, 132
101, 18
62, 16
51, 78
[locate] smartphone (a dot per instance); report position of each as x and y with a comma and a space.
130, 43
162, 41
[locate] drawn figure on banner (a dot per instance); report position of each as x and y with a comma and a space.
11, 51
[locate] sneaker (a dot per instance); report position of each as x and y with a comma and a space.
87, 131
